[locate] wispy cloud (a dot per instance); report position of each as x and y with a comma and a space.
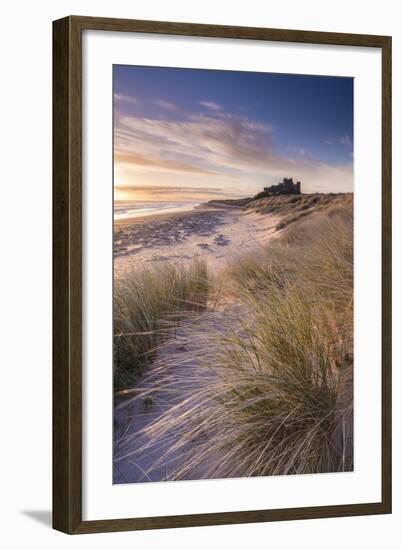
210, 142
157, 163
211, 105
300, 152
168, 190
210, 149
342, 140
126, 98
345, 140
168, 105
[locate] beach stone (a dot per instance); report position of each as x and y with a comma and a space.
221, 240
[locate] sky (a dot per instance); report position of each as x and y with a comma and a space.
191, 134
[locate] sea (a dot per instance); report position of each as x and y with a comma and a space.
137, 209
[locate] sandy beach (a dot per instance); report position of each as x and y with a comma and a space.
217, 235
189, 338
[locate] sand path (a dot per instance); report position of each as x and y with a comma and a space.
219, 236
169, 384
137, 457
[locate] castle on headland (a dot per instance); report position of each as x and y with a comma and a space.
286, 187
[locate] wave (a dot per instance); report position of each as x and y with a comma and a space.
135, 209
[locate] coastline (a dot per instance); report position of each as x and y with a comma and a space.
134, 220
214, 234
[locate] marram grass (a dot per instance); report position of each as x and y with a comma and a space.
148, 303
264, 387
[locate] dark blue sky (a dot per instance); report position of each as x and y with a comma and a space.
304, 118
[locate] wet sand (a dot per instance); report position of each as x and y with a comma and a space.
217, 235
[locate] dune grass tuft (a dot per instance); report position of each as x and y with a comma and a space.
148, 303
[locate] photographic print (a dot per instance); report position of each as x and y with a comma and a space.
233, 274
221, 273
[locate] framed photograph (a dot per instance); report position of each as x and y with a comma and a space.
222, 274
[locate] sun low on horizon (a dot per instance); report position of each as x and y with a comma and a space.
195, 134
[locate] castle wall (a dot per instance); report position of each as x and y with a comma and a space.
286, 187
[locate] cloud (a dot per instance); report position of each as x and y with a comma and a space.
231, 151
209, 142
169, 190
211, 105
342, 140
300, 151
345, 140
168, 105
156, 163
128, 98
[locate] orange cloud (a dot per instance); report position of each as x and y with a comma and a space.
231, 151
162, 164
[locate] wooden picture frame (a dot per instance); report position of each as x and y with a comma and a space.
67, 274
